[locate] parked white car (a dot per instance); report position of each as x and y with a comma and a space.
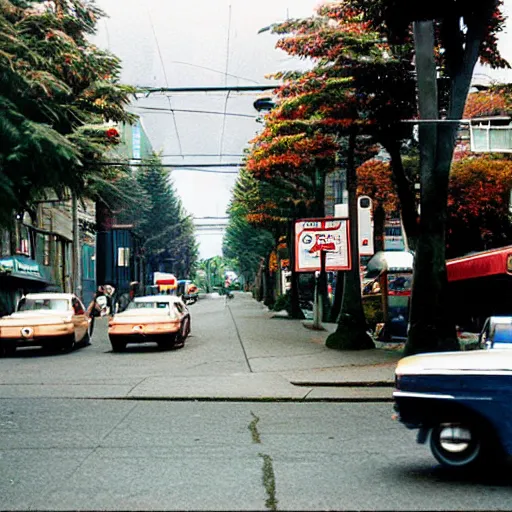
50, 320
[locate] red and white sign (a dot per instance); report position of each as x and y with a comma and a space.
315, 235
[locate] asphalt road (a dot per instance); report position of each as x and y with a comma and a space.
64, 453
133, 455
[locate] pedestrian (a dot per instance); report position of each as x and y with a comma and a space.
94, 310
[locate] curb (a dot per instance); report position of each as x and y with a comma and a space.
369, 384
246, 399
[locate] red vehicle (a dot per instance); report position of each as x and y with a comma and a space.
479, 286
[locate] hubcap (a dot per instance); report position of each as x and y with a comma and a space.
455, 439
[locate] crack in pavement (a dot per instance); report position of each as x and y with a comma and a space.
268, 475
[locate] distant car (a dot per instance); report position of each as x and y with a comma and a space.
496, 333
50, 320
460, 402
163, 319
188, 291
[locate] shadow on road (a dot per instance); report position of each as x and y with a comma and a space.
36, 352
496, 476
148, 348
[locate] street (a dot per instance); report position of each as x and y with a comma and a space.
73, 437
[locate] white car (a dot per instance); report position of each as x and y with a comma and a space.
164, 319
50, 320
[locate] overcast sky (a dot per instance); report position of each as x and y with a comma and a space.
179, 43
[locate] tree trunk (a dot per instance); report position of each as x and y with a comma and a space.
295, 309
351, 333
319, 211
338, 296
269, 285
430, 328
259, 284
405, 192
379, 221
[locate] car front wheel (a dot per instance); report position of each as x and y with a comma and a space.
117, 345
68, 343
457, 445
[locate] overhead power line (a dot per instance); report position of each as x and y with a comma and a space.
214, 88
171, 111
166, 80
178, 167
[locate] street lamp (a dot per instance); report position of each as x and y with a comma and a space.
264, 104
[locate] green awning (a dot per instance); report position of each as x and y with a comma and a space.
23, 268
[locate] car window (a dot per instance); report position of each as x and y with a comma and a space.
179, 307
43, 304
77, 307
148, 305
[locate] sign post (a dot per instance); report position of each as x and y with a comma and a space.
321, 245
318, 305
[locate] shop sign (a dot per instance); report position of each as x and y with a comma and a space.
315, 235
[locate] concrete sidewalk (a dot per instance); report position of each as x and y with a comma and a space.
288, 361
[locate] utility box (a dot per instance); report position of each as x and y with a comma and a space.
365, 222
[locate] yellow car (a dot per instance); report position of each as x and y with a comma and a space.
163, 319
50, 320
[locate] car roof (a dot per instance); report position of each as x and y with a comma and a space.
500, 319
49, 295
158, 298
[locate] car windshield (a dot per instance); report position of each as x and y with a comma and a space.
43, 304
148, 305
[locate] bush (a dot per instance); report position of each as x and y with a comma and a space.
282, 302
372, 305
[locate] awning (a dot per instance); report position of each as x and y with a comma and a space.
483, 264
23, 268
391, 261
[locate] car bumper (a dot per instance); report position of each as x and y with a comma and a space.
39, 335
144, 330
140, 338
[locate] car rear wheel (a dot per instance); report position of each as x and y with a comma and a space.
168, 342
7, 349
186, 328
118, 345
457, 445
68, 343
181, 335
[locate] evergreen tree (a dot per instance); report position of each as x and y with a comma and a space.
166, 229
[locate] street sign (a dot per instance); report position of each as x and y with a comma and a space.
312, 236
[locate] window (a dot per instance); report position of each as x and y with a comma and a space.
23, 240
43, 304
46, 250
123, 257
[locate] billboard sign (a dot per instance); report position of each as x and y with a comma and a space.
315, 235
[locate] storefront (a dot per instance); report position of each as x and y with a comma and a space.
19, 275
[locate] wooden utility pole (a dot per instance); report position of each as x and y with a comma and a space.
76, 282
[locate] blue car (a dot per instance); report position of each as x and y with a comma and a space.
460, 402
